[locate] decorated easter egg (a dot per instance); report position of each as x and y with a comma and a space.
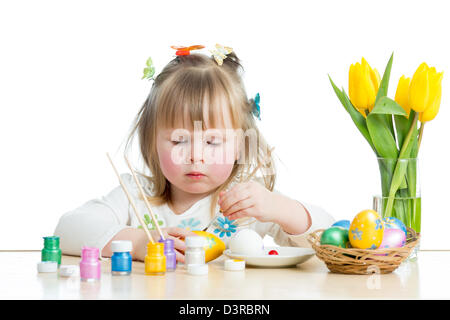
247, 242
335, 236
342, 223
366, 230
394, 223
214, 247
393, 238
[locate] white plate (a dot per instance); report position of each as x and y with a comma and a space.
287, 256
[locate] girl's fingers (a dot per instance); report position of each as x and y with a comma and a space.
238, 206
177, 243
179, 256
236, 194
180, 232
239, 214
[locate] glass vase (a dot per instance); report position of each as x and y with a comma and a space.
400, 192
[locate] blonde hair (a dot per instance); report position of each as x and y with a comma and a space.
182, 88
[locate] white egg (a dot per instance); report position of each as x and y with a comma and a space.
247, 242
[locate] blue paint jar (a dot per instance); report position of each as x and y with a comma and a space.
121, 259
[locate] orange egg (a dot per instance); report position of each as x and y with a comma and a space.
214, 247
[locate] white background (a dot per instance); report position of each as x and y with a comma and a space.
70, 87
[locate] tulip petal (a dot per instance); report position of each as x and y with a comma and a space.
401, 95
431, 112
419, 90
351, 84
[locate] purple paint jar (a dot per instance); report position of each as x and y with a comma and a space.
90, 267
169, 252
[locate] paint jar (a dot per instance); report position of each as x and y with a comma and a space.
155, 260
169, 252
90, 268
195, 253
51, 251
121, 259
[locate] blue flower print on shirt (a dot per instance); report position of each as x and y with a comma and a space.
224, 227
357, 234
190, 224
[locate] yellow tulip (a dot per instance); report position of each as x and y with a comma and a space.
425, 92
363, 84
431, 112
402, 93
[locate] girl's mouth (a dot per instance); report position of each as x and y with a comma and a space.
195, 175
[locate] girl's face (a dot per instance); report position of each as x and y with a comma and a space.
195, 160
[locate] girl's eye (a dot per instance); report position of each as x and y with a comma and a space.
214, 142
178, 142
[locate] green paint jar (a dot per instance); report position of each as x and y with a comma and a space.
51, 251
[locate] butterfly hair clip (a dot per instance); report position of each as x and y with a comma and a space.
149, 70
256, 109
184, 51
220, 53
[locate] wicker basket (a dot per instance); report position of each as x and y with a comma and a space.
362, 261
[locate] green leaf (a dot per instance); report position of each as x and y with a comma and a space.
356, 116
383, 91
386, 105
379, 121
149, 62
384, 84
381, 136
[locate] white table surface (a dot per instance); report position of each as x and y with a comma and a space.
426, 278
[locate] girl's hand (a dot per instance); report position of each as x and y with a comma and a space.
176, 234
249, 199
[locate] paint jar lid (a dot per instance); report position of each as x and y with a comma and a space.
47, 266
197, 269
51, 242
89, 253
69, 270
195, 242
168, 244
121, 246
234, 265
156, 248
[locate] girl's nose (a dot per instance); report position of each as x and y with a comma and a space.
197, 152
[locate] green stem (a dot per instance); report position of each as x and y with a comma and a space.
394, 183
422, 124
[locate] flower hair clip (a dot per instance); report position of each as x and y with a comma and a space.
149, 70
220, 53
184, 51
256, 109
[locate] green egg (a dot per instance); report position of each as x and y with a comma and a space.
335, 236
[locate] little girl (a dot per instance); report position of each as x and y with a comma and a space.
192, 132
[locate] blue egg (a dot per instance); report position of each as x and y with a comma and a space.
394, 223
342, 223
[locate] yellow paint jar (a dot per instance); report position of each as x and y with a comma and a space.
155, 260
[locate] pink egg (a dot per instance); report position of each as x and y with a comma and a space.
393, 238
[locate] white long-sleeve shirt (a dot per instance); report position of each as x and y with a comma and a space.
97, 221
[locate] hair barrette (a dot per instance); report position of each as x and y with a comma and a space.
256, 109
184, 51
220, 53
